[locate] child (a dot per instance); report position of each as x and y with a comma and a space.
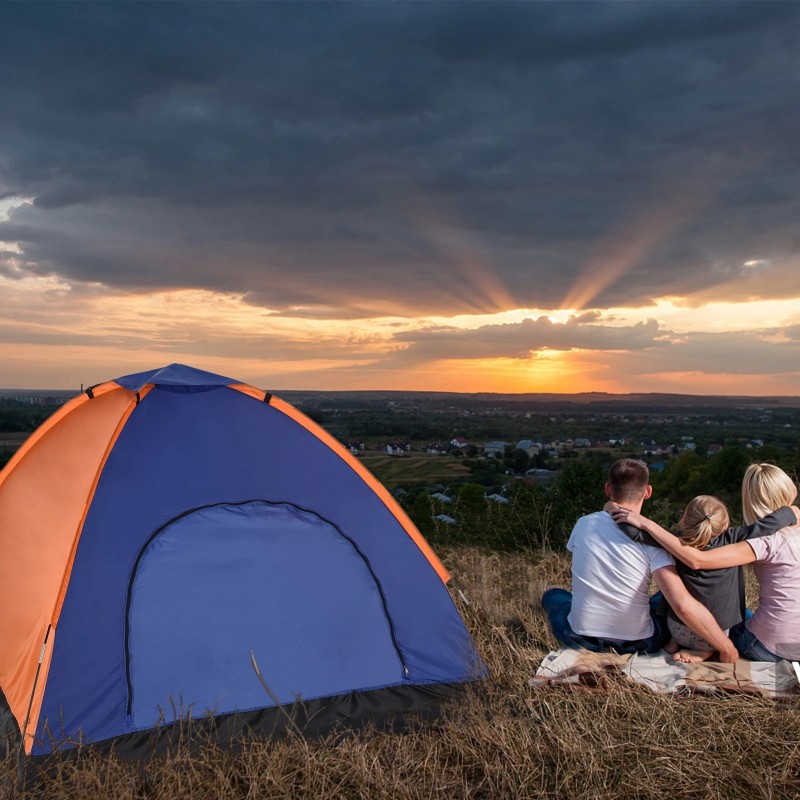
702, 525
765, 488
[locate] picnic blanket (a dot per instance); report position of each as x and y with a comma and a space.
662, 674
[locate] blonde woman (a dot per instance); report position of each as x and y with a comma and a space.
773, 632
765, 487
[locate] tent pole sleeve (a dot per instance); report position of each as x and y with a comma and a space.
33, 688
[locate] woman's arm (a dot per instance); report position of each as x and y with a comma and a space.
634, 534
731, 555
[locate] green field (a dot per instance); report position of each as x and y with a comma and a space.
393, 471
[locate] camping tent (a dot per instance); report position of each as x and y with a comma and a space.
160, 527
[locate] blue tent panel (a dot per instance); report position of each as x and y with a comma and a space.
225, 580
174, 375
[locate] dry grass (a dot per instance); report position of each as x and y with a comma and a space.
504, 740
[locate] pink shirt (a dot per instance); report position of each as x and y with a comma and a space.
776, 621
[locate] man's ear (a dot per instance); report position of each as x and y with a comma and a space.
648, 491
608, 491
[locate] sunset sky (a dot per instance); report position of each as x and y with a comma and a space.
459, 196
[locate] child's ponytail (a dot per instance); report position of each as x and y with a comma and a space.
703, 519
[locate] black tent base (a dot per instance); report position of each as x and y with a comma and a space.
391, 709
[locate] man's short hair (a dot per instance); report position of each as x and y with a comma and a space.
627, 479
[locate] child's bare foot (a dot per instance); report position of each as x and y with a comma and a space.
672, 646
692, 656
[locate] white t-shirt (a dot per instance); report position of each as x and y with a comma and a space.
610, 579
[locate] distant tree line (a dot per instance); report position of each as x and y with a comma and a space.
17, 417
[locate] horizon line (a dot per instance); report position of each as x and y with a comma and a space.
4, 391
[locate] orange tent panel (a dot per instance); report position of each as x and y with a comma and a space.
41, 499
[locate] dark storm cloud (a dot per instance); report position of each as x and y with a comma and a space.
435, 157
744, 353
628, 350
520, 339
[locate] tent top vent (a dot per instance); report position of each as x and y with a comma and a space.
173, 375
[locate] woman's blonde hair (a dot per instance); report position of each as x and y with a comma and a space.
704, 518
765, 488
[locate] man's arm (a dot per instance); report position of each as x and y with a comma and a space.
693, 613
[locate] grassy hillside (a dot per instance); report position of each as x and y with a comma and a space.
505, 740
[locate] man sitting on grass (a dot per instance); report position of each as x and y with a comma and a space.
609, 608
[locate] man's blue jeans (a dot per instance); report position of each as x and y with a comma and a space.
557, 604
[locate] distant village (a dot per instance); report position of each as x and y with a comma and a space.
551, 448
525, 436
36, 398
